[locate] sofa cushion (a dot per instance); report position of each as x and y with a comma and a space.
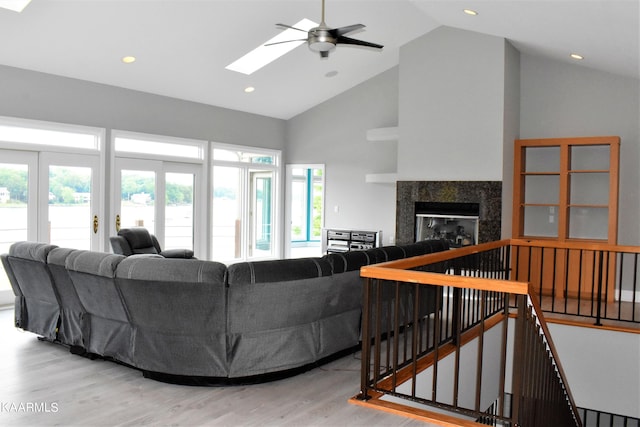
98, 263
435, 245
155, 268
392, 253
348, 261
33, 251
281, 270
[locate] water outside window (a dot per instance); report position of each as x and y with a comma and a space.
178, 225
138, 190
13, 210
70, 206
227, 205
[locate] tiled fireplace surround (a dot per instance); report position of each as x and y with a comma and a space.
487, 193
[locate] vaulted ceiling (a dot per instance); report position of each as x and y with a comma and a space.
183, 46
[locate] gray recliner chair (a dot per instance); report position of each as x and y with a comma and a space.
135, 241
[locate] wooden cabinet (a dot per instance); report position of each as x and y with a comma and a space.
566, 190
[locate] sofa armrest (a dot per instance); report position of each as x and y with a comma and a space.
177, 253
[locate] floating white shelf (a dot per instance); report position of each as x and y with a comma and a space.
381, 178
383, 134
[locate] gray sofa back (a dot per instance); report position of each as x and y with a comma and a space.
275, 308
37, 307
109, 328
74, 320
177, 309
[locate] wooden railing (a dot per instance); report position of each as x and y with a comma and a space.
436, 334
588, 280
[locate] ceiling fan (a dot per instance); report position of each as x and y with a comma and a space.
323, 39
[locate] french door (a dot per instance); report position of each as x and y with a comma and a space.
18, 206
160, 196
70, 200
48, 197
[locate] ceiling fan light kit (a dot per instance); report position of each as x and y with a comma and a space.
320, 40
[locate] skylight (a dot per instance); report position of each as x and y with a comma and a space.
263, 55
15, 5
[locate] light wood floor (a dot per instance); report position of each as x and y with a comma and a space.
81, 392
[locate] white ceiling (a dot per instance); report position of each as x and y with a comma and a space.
183, 46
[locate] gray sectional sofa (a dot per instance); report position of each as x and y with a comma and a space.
193, 321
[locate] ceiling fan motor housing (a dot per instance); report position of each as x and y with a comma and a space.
321, 40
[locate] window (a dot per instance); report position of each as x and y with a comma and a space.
307, 188
245, 195
154, 146
305, 210
35, 133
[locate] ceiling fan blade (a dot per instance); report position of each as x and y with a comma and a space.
286, 41
289, 26
348, 40
336, 32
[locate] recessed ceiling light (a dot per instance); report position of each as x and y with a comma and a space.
15, 5
263, 55
470, 12
249, 89
128, 59
577, 57
331, 73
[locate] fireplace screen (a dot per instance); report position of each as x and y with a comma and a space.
455, 222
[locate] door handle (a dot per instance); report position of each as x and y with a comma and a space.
117, 223
95, 224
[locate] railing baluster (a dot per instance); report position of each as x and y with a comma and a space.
457, 331
366, 340
619, 273
414, 340
480, 354
593, 281
599, 297
378, 332
436, 341
579, 283
635, 287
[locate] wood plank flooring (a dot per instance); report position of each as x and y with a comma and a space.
68, 390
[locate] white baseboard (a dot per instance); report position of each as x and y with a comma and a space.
627, 296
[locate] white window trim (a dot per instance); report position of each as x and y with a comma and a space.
99, 133
200, 144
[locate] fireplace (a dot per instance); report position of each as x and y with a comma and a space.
457, 223
411, 197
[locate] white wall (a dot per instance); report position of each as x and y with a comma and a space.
567, 100
511, 132
602, 367
468, 372
451, 111
40, 96
334, 133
